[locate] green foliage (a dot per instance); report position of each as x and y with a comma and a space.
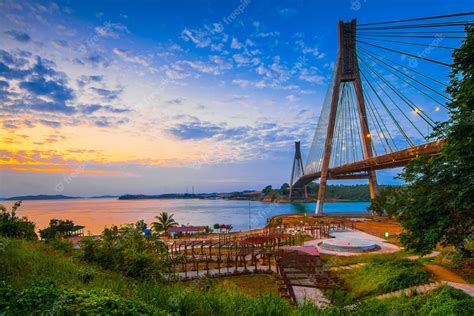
164, 221
383, 276
141, 225
267, 190
56, 227
13, 226
59, 243
284, 189
390, 201
440, 302
125, 250
36, 279
48, 299
359, 192
436, 206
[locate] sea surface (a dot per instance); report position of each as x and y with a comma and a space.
95, 214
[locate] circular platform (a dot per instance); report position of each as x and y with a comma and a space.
349, 245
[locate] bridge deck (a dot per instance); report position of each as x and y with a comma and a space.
395, 159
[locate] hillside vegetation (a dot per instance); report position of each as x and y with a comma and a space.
39, 279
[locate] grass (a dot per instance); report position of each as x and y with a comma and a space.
385, 275
253, 285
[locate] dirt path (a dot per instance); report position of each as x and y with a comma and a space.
442, 274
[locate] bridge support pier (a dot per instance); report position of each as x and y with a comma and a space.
347, 70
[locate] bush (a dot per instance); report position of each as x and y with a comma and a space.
48, 299
16, 227
62, 244
125, 250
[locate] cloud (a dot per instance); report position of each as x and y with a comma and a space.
267, 34
198, 37
310, 76
201, 67
19, 36
131, 58
176, 101
235, 44
49, 123
56, 90
111, 30
194, 130
84, 80
109, 122
94, 59
292, 98
106, 93
92, 108
288, 12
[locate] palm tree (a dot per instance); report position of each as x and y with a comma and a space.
164, 221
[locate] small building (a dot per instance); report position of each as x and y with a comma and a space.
186, 230
76, 230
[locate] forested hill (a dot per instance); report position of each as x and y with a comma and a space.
345, 192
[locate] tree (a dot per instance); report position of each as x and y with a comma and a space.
208, 230
438, 201
16, 227
164, 221
56, 227
217, 227
267, 189
141, 225
285, 189
390, 201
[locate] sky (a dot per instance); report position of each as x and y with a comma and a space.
115, 97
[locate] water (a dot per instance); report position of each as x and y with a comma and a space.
95, 214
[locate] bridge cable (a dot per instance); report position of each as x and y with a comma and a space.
372, 106
377, 61
408, 54
401, 111
359, 128
388, 111
412, 105
407, 43
398, 64
377, 114
415, 108
417, 26
419, 19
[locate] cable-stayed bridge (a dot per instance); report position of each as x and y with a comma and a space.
386, 95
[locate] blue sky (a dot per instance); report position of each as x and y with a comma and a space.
112, 97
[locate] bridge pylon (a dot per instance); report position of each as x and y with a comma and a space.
347, 70
297, 170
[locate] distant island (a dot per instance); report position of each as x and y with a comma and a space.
243, 195
54, 197
41, 197
334, 193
